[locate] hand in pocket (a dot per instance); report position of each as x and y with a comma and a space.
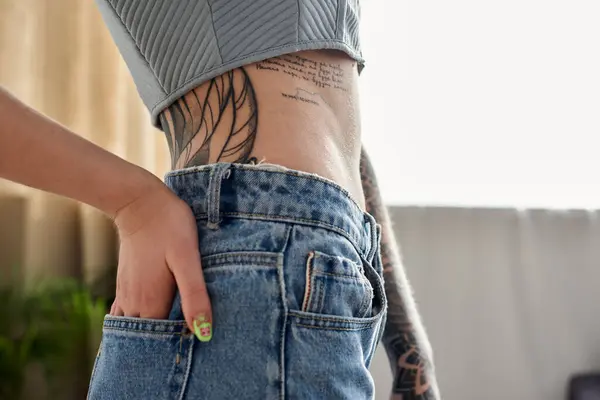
159, 252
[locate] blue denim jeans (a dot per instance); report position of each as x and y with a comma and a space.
294, 273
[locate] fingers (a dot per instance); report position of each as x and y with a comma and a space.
116, 310
147, 295
157, 308
159, 257
195, 301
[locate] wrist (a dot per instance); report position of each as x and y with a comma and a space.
144, 199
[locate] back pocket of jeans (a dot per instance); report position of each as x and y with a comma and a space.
336, 286
141, 359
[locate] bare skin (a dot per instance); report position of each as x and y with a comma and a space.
298, 110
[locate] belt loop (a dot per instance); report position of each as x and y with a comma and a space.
373, 236
213, 199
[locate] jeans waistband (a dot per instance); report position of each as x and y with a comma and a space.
231, 190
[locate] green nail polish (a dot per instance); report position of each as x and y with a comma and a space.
202, 329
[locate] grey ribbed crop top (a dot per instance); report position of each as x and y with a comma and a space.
172, 46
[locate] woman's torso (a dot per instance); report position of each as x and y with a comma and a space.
297, 110
280, 75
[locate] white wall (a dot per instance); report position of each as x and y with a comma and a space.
475, 102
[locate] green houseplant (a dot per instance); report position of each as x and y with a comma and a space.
55, 326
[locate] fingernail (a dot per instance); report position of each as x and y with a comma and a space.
202, 328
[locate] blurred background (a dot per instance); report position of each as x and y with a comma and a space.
482, 119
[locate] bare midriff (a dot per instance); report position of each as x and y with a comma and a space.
299, 111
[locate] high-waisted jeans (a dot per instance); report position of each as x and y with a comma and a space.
293, 270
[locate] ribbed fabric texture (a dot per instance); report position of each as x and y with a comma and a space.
172, 46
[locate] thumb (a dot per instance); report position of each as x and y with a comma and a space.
195, 302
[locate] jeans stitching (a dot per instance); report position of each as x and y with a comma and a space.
224, 258
280, 266
309, 284
335, 319
309, 222
146, 332
333, 328
291, 172
188, 369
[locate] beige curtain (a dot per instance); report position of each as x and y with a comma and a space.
58, 57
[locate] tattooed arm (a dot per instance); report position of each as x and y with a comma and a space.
404, 336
